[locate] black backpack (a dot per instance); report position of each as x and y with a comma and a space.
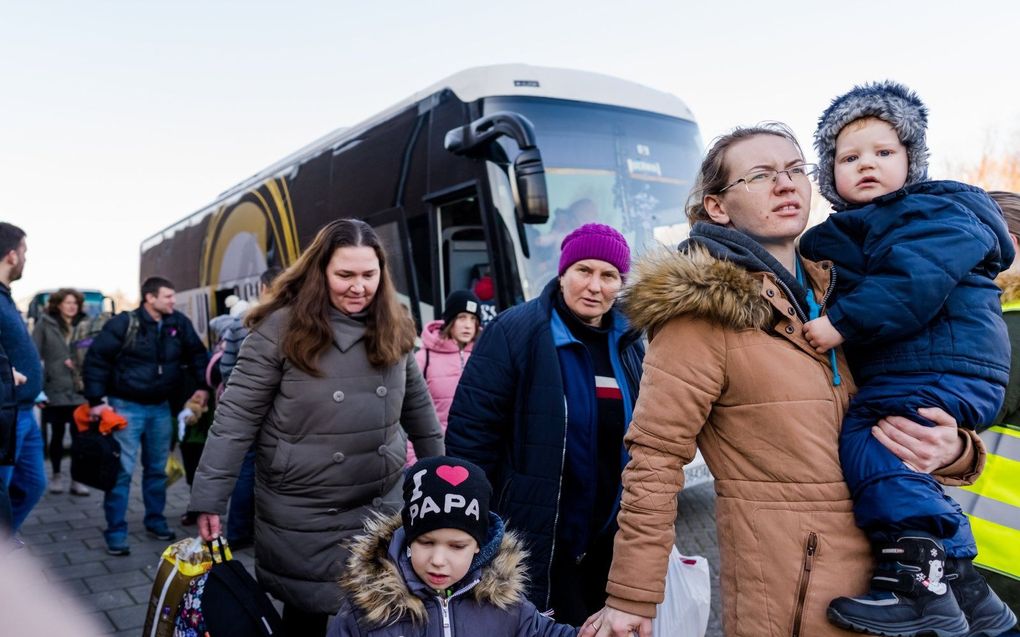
227, 602
95, 458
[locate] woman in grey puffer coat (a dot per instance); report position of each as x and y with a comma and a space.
328, 389
52, 335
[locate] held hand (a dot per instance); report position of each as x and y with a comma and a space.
68, 363
922, 449
201, 396
208, 526
97, 412
821, 335
19, 378
610, 622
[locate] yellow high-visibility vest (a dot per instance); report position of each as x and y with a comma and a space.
993, 502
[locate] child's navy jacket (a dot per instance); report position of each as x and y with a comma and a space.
915, 287
384, 598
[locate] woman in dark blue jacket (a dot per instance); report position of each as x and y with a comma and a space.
542, 407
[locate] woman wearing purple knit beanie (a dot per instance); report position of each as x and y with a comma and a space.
543, 406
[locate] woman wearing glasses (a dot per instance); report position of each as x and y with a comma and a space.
728, 370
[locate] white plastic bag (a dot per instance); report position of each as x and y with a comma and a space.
685, 609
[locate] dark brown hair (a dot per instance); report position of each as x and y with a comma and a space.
53, 307
714, 175
304, 289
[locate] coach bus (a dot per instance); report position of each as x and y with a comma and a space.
477, 177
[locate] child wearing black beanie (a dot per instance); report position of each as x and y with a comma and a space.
443, 566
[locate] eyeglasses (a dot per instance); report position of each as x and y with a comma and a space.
764, 179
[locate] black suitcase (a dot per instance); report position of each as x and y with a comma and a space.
95, 458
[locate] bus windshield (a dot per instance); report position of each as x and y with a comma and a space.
625, 168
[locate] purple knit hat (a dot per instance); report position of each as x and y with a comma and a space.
595, 241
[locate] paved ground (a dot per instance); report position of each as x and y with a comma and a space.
65, 533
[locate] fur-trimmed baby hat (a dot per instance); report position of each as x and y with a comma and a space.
888, 101
446, 493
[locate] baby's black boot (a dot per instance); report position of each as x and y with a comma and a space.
908, 596
987, 615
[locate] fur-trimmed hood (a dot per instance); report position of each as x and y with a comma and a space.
888, 101
665, 284
381, 584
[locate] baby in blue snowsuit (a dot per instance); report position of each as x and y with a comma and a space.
444, 567
917, 308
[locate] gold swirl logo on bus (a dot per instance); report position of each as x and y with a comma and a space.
241, 237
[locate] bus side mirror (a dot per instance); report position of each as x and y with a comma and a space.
474, 139
533, 204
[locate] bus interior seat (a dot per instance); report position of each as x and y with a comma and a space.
464, 251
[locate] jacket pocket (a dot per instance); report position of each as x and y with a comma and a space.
810, 548
281, 460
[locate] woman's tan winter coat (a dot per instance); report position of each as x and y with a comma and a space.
728, 370
330, 451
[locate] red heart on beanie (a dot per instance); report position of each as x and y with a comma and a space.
453, 475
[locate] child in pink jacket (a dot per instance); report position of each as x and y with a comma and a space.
446, 346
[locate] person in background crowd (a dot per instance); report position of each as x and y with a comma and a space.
9, 380
445, 348
1008, 587
25, 479
730, 372
137, 363
52, 336
241, 514
235, 333
431, 570
542, 407
325, 387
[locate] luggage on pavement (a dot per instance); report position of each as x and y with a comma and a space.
181, 563
226, 602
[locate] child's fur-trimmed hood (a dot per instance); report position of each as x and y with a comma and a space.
374, 584
665, 284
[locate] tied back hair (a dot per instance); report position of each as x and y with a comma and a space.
304, 288
713, 175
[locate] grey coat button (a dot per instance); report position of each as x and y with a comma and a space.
381, 391
381, 450
377, 502
333, 511
770, 293
338, 457
789, 329
338, 396
789, 311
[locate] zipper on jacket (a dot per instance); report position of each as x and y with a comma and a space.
556, 518
831, 288
792, 299
805, 579
444, 606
